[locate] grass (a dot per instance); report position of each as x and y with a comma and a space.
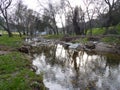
97, 31
81, 40
14, 41
15, 71
111, 40
53, 36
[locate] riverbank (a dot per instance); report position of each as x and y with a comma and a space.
103, 44
89, 44
16, 71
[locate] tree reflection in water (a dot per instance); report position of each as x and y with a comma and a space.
71, 69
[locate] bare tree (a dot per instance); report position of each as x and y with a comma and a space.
28, 22
62, 13
17, 17
101, 10
31, 25
69, 17
53, 12
24, 19
111, 5
4, 5
78, 21
69, 22
50, 13
90, 12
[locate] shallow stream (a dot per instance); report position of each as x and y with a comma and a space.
68, 69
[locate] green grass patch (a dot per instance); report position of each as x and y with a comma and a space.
15, 73
111, 40
97, 31
53, 36
14, 41
5, 32
2, 31
81, 40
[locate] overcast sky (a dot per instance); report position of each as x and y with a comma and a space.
33, 4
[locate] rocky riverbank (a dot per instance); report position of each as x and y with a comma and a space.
90, 46
94, 47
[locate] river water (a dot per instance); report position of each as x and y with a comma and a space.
68, 69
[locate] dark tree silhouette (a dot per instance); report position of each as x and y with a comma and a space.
4, 5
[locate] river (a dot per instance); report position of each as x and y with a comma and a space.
68, 69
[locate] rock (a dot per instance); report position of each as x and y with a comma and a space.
90, 45
25, 49
67, 39
66, 45
80, 47
93, 38
74, 46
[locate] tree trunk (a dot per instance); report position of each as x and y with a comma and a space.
9, 33
8, 28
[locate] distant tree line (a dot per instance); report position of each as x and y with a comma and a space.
77, 20
74, 20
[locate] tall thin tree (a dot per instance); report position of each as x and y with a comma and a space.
4, 5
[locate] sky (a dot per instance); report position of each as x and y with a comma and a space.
33, 4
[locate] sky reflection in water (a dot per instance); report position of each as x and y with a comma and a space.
72, 70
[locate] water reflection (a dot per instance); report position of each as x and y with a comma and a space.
77, 70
